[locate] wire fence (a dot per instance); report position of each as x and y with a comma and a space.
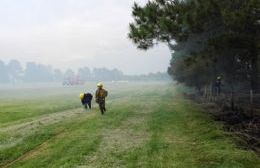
238, 108
238, 97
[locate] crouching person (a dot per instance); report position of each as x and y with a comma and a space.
86, 99
100, 96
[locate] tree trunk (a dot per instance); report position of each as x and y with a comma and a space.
251, 99
205, 91
232, 100
255, 76
232, 84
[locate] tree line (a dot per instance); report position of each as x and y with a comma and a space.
208, 39
13, 72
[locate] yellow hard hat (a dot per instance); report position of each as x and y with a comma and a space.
99, 84
81, 96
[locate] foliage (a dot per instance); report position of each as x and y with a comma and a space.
223, 35
14, 73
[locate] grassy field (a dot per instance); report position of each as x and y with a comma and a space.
146, 125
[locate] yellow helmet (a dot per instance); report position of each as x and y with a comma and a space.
81, 96
99, 84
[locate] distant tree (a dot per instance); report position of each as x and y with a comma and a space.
45, 72
58, 75
69, 73
3, 73
15, 70
37, 73
31, 72
116, 74
104, 74
84, 73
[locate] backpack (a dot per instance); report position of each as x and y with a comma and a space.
102, 93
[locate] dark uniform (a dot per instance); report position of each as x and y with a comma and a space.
100, 96
218, 85
86, 101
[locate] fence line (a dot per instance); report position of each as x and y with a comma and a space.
239, 97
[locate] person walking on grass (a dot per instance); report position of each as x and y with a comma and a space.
86, 99
100, 96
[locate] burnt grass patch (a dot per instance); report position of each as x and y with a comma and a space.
242, 122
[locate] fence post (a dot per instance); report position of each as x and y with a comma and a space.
205, 91
211, 94
251, 98
232, 100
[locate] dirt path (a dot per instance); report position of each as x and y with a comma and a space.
22, 130
130, 135
44, 146
35, 151
16, 132
43, 120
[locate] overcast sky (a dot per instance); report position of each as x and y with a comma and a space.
75, 33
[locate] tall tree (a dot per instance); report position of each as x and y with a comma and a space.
210, 32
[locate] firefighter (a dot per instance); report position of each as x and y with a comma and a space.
100, 96
86, 99
218, 85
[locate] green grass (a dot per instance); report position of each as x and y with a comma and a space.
14, 111
148, 126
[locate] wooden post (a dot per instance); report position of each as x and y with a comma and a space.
211, 90
205, 91
232, 100
251, 98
